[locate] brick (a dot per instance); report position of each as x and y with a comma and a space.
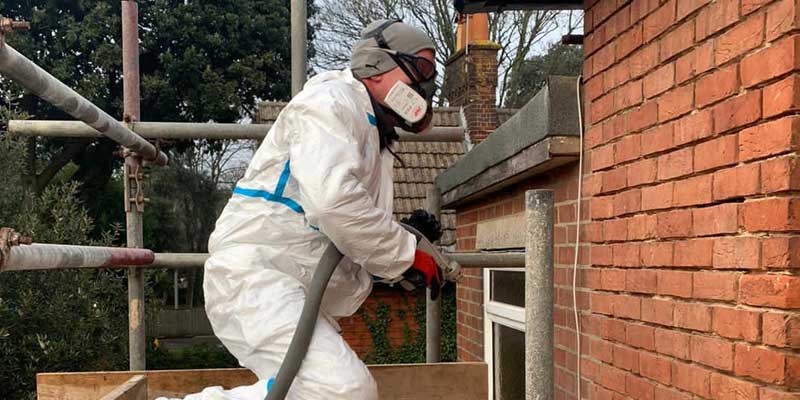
601, 108
736, 324
716, 153
612, 279
601, 255
639, 388
640, 336
643, 116
737, 182
686, 7
770, 138
629, 148
780, 174
657, 197
676, 102
613, 378
712, 352
677, 41
763, 364
782, 96
642, 172
771, 62
737, 253
782, 17
782, 330
749, 6
656, 368
640, 8
728, 388
602, 157
717, 16
675, 164
643, 60
602, 303
780, 252
659, 80
737, 111
664, 393
772, 214
656, 254
627, 307
613, 329
716, 86
642, 227
593, 88
659, 21
657, 139
779, 291
640, 281
592, 184
657, 311
672, 343
694, 253
740, 39
693, 316
715, 285
770, 394
626, 254
715, 220
615, 230
698, 61
691, 379
675, 283
693, 191
602, 207
628, 202
626, 358
693, 127
615, 127
614, 179
628, 95
629, 41
675, 224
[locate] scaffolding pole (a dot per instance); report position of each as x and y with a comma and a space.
465, 260
134, 196
189, 130
433, 308
57, 256
539, 295
298, 27
23, 71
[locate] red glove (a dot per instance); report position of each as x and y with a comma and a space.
425, 272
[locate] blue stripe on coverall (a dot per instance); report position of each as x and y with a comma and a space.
276, 197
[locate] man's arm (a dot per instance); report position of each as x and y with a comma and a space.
325, 160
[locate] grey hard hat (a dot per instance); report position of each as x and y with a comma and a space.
369, 59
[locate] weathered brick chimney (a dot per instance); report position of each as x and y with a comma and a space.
471, 76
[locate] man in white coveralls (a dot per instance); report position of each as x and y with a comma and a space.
322, 174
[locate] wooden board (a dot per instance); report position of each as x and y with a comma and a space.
446, 381
134, 389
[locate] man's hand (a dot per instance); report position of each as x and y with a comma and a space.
425, 272
426, 223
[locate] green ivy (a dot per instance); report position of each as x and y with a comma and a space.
412, 349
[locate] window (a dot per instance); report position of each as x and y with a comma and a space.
504, 327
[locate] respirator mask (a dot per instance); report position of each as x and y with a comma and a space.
411, 105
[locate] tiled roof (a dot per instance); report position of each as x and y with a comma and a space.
424, 161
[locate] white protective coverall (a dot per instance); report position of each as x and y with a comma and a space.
319, 176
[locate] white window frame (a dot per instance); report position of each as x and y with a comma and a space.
499, 313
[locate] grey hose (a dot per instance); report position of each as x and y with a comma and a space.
305, 327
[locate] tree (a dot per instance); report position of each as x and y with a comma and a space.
47, 318
200, 61
533, 72
518, 32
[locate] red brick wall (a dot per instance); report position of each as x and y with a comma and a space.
469, 293
690, 265
355, 330
471, 83
691, 146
